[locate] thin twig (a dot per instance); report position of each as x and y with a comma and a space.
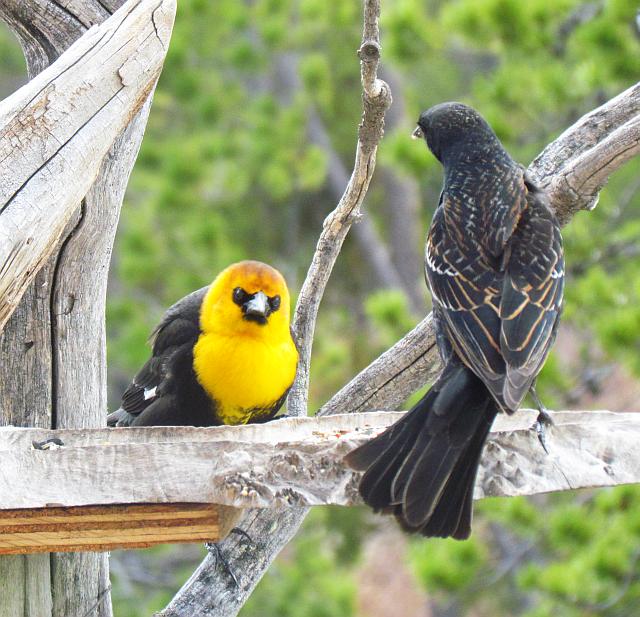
376, 100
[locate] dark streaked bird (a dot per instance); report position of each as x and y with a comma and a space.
222, 355
495, 268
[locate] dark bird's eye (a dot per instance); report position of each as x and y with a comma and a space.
274, 303
240, 296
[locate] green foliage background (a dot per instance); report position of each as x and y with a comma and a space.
227, 171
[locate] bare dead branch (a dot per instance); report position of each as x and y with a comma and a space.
373, 247
42, 145
579, 182
393, 376
575, 166
376, 100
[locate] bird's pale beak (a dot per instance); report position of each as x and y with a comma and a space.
258, 305
417, 134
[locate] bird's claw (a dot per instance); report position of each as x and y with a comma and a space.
214, 549
543, 420
241, 532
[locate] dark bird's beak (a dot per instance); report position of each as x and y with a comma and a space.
417, 134
257, 307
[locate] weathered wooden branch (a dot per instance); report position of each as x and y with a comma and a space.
286, 463
53, 370
376, 100
574, 168
104, 79
373, 248
393, 376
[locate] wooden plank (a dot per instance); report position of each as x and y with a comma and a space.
293, 461
103, 528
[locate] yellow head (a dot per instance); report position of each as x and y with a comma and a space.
248, 298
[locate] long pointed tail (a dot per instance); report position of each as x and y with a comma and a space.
423, 468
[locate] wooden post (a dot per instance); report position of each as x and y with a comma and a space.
53, 369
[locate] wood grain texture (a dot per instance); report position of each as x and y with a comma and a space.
94, 528
53, 345
78, 346
574, 167
104, 78
293, 461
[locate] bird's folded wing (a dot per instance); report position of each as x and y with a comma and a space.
466, 289
531, 299
179, 327
500, 317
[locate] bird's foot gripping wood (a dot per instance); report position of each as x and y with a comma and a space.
241, 532
543, 420
214, 549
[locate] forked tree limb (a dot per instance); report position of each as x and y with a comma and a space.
104, 79
575, 166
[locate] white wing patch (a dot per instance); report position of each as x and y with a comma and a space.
149, 393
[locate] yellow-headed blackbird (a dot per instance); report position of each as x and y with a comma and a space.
495, 268
222, 355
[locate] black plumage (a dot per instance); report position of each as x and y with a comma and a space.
167, 381
494, 265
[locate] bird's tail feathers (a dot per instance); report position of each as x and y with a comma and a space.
120, 417
423, 468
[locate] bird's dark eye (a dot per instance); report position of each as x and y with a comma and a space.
240, 296
274, 303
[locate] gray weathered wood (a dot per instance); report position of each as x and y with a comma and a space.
574, 167
376, 100
294, 461
53, 345
105, 79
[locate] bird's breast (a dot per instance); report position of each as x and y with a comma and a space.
243, 375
